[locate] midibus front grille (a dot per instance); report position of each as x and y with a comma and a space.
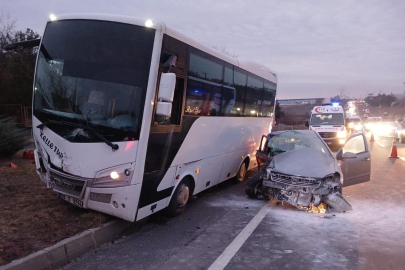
67, 184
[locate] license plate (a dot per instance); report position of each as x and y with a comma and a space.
74, 201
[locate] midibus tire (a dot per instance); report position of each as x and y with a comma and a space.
179, 199
241, 173
253, 185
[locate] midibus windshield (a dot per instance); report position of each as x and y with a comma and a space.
327, 119
93, 73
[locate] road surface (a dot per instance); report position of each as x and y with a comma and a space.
274, 236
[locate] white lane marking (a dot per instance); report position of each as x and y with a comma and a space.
403, 158
380, 144
222, 261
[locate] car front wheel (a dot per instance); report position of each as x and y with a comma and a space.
254, 187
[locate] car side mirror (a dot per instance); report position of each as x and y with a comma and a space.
348, 155
306, 123
166, 93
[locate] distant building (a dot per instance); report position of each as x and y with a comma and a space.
300, 101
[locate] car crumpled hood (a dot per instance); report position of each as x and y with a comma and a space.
305, 162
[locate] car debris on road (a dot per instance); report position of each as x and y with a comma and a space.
298, 167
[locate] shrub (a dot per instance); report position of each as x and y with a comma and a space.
12, 138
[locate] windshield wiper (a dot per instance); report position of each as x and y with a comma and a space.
98, 135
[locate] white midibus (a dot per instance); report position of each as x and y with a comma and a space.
130, 117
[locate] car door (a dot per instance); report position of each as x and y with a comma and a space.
262, 152
355, 160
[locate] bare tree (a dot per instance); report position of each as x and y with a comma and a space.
7, 26
222, 49
342, 92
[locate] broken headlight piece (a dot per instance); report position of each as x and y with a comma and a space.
330, 178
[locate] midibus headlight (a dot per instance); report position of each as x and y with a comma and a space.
341, 134
114, 175
118, 176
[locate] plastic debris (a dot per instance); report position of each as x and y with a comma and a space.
320, 209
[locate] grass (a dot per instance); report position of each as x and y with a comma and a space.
32, 217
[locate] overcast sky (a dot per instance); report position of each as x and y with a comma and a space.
318, 48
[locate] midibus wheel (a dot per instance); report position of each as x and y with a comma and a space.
241, 173
179, 199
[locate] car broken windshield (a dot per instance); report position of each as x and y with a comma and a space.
294, 140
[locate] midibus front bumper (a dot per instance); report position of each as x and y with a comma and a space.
115, 201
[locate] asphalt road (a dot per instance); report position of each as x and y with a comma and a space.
209, 234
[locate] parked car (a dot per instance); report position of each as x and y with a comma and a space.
367, 110
297, 167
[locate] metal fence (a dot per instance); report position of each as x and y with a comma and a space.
18, 113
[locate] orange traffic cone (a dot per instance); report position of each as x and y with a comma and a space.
372, 137
394, 153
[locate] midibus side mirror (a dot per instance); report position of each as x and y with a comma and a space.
306, 123
166, 93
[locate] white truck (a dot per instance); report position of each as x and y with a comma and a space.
329, 122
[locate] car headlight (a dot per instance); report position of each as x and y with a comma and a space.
341, 134
351, 125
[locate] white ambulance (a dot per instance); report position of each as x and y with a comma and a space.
329, 122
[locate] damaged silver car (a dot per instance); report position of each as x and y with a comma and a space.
299, 168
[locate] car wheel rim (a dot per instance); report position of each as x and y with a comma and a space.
183, 196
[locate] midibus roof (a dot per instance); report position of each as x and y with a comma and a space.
254, 68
